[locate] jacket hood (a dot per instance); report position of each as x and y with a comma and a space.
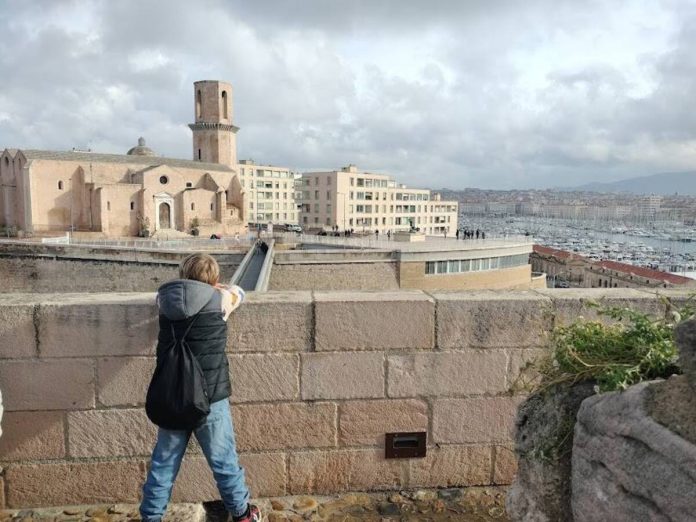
183, 298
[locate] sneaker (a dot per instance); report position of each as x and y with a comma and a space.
253, 515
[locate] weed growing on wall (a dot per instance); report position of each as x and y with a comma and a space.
616, 354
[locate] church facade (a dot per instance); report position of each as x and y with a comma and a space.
138, 193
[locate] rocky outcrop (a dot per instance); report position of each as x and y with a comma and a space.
543, 444
627, 466
685, 336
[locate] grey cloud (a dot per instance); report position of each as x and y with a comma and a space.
318, 84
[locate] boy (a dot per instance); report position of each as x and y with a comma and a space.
196, 306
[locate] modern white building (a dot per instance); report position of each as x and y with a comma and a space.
367, 202
269, 193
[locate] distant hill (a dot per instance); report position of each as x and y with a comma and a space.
664, 184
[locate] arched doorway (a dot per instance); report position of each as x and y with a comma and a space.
165, 215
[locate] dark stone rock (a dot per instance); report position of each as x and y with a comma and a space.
543, 445
685, 337
387, 508
626, 466
672, 403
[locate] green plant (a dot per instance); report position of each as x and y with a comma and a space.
195, 223
615, 355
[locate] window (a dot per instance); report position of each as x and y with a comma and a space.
164, 180
199, 154
328, 194
108, 205
7, 162
198, 112
361, 182
212, 207
193, 206
60, 184
224, 104
189, 184
132, 205
352, 180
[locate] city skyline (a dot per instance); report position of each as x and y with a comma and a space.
454, 95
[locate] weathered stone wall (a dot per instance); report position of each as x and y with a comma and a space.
32, 267
40, 274
335, 276
318, 378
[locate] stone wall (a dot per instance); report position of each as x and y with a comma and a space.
318, 378
32, 267
38, 274
335, 276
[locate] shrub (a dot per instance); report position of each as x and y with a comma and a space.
634, 348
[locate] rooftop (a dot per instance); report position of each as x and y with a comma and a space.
625, 268
32, 154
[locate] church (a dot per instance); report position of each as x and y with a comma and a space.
135, 194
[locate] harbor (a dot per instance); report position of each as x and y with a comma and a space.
665, 246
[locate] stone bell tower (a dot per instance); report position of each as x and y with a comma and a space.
214, 136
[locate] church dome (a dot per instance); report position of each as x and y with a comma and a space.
141, 149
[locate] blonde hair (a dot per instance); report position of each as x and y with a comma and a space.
200, 267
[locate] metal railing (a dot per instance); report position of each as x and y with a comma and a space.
383, 242
185, 244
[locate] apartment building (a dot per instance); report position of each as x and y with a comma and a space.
366, 202
269, 193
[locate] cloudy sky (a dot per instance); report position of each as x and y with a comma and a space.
443, 93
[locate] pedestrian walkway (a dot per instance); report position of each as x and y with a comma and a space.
456, 505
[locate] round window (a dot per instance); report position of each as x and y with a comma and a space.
164, 180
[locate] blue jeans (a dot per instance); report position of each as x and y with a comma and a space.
216, 438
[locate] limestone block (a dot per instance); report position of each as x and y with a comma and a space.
450, 374
32, 435
452, 466
364, 423
3, 503
685, 336
374, 321
123, 381
264, 473
264, 377
480, 419
17, 335
492, 319
626, 466
342, 375
675, 298
285, 425
110, 433
505, 467
47, 385
338, 471
571, 303
519, 376
272, 322
98, 329
65, 483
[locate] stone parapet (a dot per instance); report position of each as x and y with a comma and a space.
317, 378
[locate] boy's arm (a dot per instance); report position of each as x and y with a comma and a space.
232, 297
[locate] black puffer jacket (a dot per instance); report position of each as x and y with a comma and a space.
183, 302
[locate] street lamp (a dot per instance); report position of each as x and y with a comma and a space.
344, 209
